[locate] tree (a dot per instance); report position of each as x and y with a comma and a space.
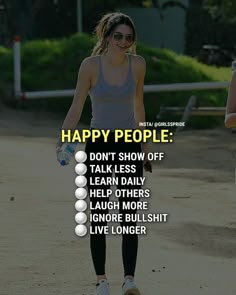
221, 10
96, 8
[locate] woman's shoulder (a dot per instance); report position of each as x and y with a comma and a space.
90, 61
138, 62
89, 65
233, 82
137, 58
234, 76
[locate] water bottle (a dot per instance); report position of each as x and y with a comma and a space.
66, 153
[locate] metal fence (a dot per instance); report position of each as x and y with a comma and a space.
19, 94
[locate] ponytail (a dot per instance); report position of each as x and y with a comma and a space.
101, 33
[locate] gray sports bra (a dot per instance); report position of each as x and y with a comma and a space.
113, 106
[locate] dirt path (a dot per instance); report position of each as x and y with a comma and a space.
194, 253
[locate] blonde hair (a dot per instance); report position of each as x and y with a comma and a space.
106, 26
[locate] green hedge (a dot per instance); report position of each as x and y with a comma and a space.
53, 64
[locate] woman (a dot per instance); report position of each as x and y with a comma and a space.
114, 78
230, 117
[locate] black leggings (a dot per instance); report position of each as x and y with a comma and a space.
98, 241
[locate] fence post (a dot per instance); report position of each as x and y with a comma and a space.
187, 112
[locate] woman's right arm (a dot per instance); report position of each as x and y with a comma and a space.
81, 92
230, 116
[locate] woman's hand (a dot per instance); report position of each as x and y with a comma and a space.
230, 120
58, 150
146, 163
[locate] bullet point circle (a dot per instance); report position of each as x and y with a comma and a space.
81, 181
80, 217
81, 168
81, 193
80, 156
81, 230
80, 205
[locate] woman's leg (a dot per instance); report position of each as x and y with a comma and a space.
97, 240
129, 241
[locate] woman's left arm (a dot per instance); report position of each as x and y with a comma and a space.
139, 110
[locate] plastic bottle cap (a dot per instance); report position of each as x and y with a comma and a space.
63, 162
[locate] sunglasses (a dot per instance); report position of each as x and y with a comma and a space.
119, 36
